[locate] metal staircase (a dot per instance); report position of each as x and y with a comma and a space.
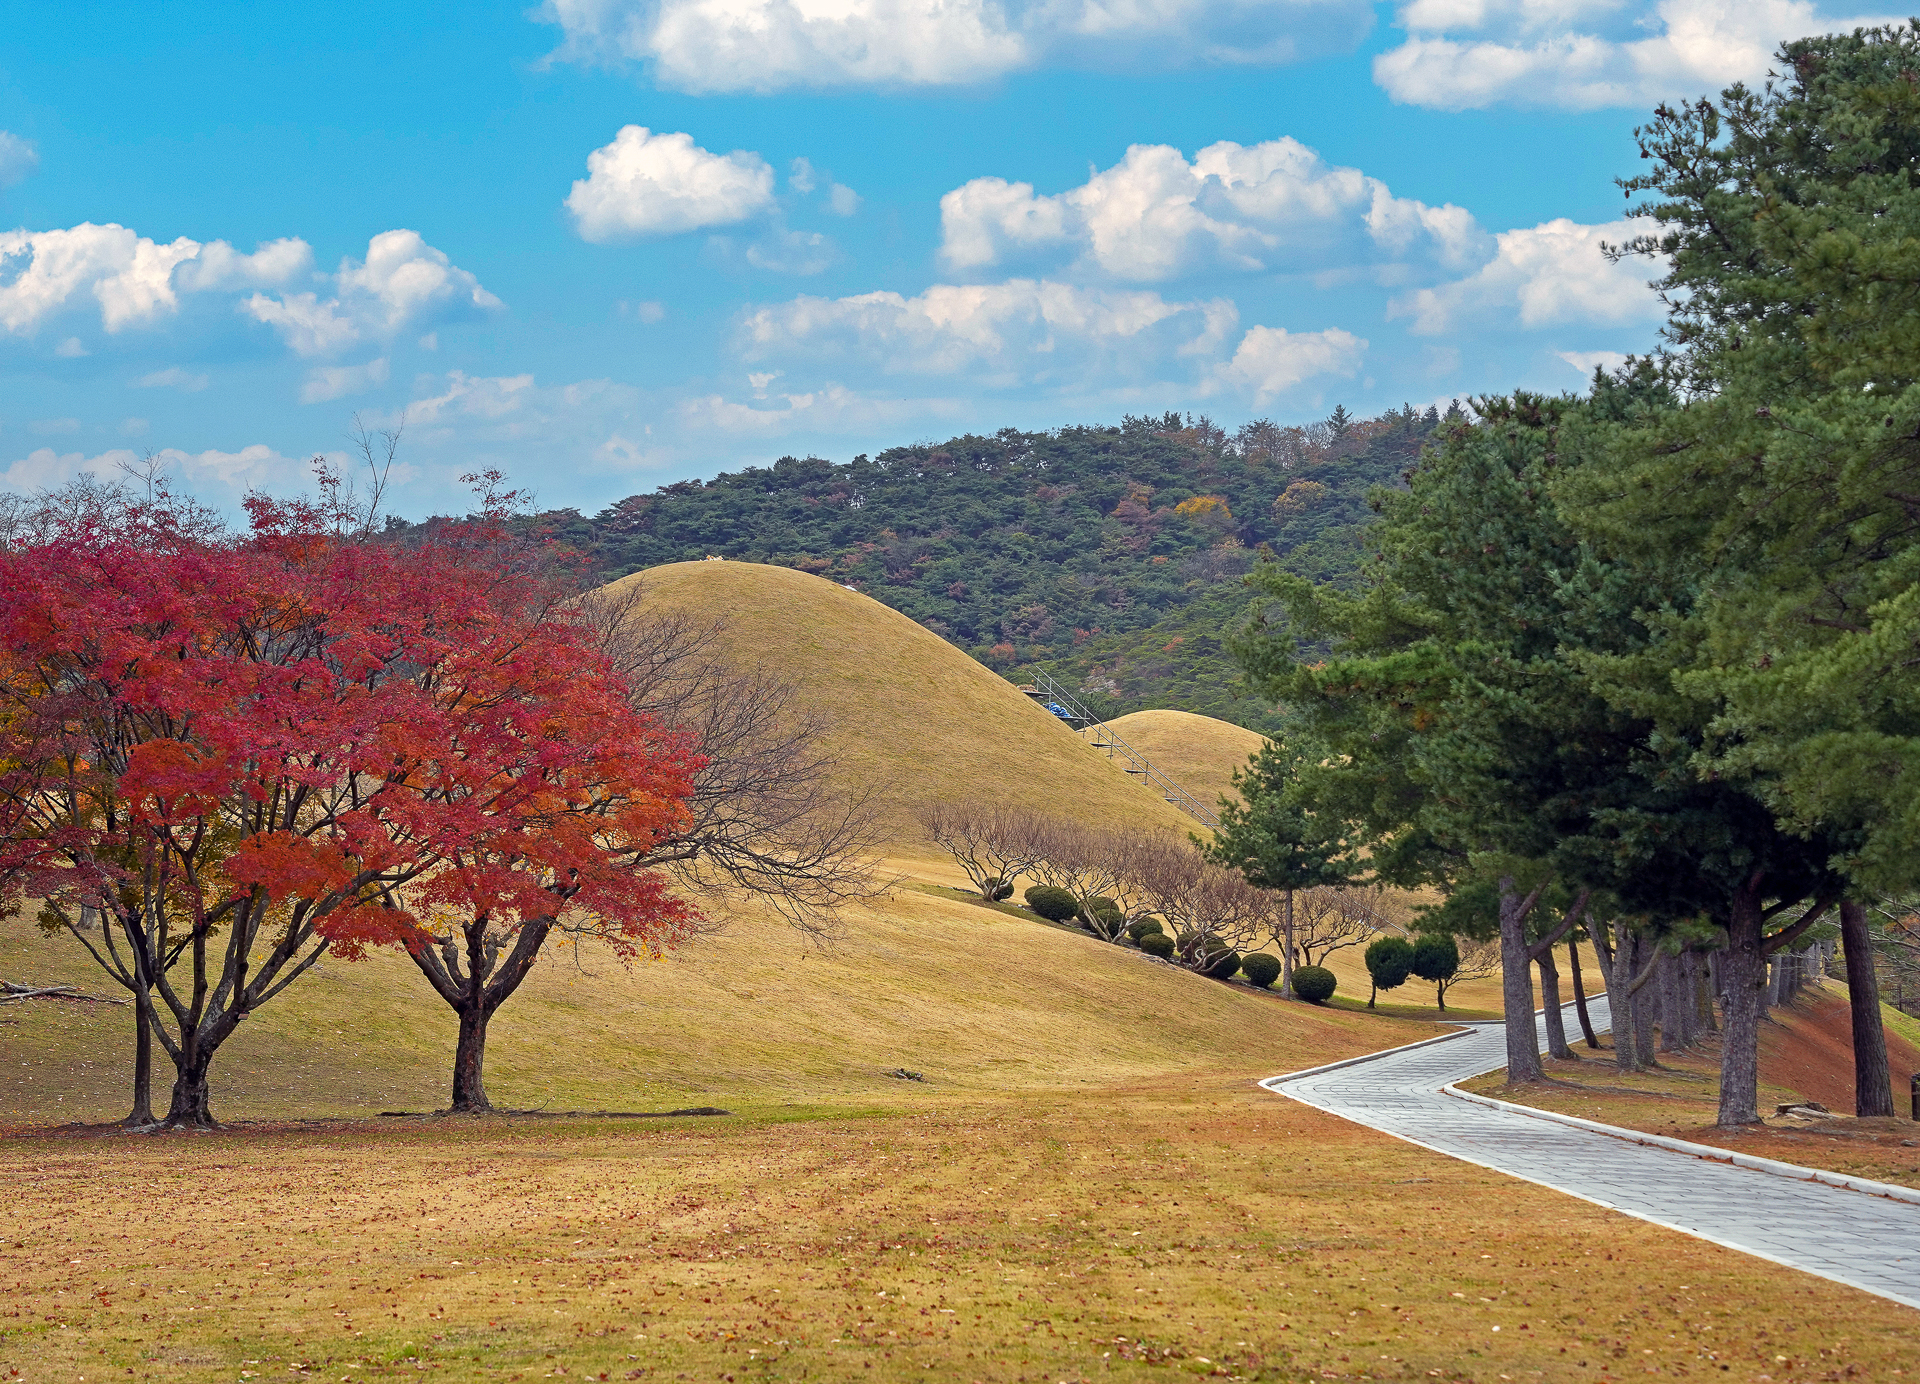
1049, 693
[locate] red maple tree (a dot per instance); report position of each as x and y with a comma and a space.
222, 756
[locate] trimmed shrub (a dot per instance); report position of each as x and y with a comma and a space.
1314, 984
1157, 944
999, 889
1207, 954
1260, 969
1389, 962
1056, 905
1139, 928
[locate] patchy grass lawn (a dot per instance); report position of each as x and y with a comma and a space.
1805, 1054
1191, 1224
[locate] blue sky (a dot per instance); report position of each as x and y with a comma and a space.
607, 244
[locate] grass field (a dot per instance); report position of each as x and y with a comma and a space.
1086, 1183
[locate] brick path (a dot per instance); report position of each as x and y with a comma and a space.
1852, 1237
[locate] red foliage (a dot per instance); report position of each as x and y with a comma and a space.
351, 736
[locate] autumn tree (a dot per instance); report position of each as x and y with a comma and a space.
225, 755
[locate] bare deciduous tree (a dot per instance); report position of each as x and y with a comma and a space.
768, 820
994, 845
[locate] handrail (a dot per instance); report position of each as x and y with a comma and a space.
1046, 688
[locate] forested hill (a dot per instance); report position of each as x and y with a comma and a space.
1110, 555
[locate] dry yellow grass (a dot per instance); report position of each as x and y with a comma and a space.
1196, 752
910, 716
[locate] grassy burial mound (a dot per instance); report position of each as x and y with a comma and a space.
908, 715
1196, 752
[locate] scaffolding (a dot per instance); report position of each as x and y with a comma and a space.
1050, 694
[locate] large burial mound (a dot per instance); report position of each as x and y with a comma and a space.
1196, 752
909, 716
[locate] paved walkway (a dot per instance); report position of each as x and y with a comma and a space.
1869, 1242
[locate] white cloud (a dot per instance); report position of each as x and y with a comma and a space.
1271, 361
1154, 215
842, 200
1017, 326
402, 282
1585, 54
72, 349
768, 45
173, 378
1056, 337
336, 381
801, 176
1546, 274
647, 184
18, 158
308, 325
256, 466
135, 281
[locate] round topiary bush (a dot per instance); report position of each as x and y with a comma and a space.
998, 889
1207, 954
1314, 984
1139, 928
1157, 944
1056, 905
1260, 969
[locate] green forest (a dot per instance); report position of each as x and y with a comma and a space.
1115, 557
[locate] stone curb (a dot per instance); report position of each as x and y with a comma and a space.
1270, 1082
1705, 1151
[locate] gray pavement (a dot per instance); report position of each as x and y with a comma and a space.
1852, 1237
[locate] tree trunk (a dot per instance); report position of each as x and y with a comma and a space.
143, 1066
1580, 995
1703, 994
141, 1116
1646, 1006
1516, 986
1621, 1001
1550, 999
1872, 1082
1286, 954
190, 1106
1743, 971
1673, 1031
469, 1059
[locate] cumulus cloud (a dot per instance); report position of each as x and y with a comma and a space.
1544, 275
133, 280
647, 184
1585, 54
18, 158
403, 282
1155, 215
1058, 337
337, 381
1271, 361
256, 466
769, 45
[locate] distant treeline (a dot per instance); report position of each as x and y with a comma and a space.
1111, 555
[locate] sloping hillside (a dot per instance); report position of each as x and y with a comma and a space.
911, 717
1196, 752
